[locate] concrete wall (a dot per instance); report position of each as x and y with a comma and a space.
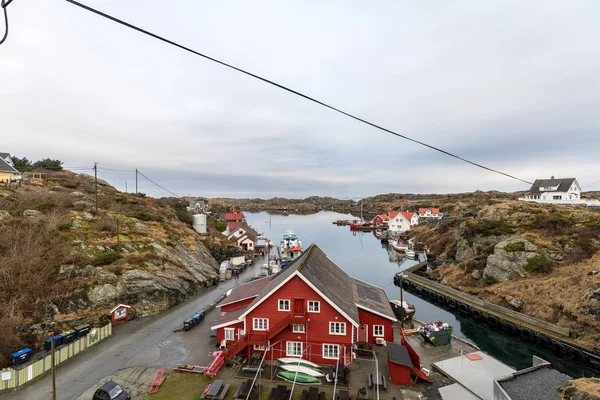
11, 378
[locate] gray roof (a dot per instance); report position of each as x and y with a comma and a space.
6, 167
537, 383
4, 155
563, 185
343, 291
399, 354
245, 291
373, 298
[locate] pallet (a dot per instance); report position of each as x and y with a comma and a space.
159, 378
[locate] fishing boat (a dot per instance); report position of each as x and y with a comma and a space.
410, 253
299, 377
403, 311
399, 246
290, 242
302, 369
293, 360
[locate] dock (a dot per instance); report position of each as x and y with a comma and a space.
510, 321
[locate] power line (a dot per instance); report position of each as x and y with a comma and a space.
5, 3
162, 187
280, 86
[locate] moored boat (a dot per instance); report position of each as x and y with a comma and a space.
399, 246
294, 360
299, 378
403, 311
410, 253
302, 369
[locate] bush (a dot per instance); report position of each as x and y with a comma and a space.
45, 207
146, 216
64, 227
514, 247
489, 228
49, 163
554, 222
490, 280
221, 225
108, 257
539, 263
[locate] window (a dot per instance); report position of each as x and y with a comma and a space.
229, 332
260, 324
556, 197
294, 349
284, 305
337, 328
259, 347
298, 328
331, 351
377, 330
314, 306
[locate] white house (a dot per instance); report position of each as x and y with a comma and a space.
402, 221
557, 191
243, 235
430, 213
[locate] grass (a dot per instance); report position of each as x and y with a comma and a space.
514, 247
538, 263
188, 386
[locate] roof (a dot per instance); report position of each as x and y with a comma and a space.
229, 317
119, 306
399, 354
563, 185
233, 226
234, 216
537, 383
393, 214
4, 155
433, 210
407, 215
246, 291
383, 217
6, 167
372, 298
456, 392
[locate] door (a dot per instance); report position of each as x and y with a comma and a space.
298, 306
363, 333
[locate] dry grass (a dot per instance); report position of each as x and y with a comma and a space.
582, 389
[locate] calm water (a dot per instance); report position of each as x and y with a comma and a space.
362, 256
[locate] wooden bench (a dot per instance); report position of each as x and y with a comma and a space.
224, 391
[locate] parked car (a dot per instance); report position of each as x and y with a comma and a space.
111, 391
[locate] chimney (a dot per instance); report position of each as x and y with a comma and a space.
552, 177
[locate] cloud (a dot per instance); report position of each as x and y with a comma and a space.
514, 86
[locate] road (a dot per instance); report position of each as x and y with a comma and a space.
149, 342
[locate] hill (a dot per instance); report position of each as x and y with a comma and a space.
63, 264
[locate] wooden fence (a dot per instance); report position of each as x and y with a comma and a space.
11, 378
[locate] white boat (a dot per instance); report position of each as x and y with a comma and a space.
294, 360
302, 369
410, 253
399, 246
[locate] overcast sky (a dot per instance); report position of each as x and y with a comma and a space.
514, 85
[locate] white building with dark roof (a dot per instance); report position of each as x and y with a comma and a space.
557, 191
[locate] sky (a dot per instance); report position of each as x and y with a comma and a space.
513, 85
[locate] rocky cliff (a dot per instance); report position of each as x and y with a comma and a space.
63, 263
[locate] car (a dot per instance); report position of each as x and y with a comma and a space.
111, 391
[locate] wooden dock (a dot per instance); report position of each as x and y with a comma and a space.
510, 321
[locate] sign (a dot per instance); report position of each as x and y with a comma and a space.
6, 376
120, 313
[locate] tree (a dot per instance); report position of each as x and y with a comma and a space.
22, 164
49, 163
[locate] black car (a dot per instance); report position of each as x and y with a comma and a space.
111, 391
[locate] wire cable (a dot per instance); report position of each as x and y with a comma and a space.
6, 21
285, 88
162, 187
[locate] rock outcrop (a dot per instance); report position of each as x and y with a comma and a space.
508, 260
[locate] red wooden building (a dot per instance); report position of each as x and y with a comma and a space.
312, 309
380, 219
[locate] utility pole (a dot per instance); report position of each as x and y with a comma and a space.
136, 181
118, 236
96, 183
53, 368
125, 186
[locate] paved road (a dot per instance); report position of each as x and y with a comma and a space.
148, 342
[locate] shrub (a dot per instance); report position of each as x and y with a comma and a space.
539, 263
105, 258
221, 225
45, 207
516, 246
145, 216
490, 280
64, 227
48, 163
106, 224
554, 222
489, 228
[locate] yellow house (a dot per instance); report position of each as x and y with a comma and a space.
8, 173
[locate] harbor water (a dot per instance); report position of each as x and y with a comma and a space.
362, 256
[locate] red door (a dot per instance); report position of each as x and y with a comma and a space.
298, 306
363, 333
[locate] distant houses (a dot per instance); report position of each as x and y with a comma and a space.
402, 221
430, 213
8, 172
380, 219
243, 235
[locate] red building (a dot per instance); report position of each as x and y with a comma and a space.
234, 217
312, 309
380, 219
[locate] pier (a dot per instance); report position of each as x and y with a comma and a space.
544, 333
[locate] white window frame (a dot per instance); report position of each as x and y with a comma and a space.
298, 328
279, 303
342, 328
313, 303
229, 334
375, 334
259, 347
260, 324
294, 345
330, 347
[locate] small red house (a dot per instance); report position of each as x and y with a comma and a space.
234, 217
119, 314
404, 362
312, 309
380, 219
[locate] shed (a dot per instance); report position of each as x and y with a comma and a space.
119, 314
399, 363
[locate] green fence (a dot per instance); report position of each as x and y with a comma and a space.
11, 378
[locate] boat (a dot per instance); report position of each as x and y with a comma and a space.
302, 369
399, 246
403, 311
410, 253
294, 360
299, 377
290, 242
